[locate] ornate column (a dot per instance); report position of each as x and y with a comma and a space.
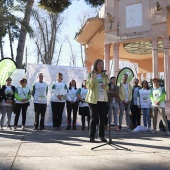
166, 66
107, 58
139, 77
155, 57
116, 58
143, 76
166, 73
88, 64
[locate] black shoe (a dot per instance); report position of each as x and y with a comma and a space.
42, 128
59, 128
83, 127
120, 127
103, 139
74, 128
92, 140
34, 128
68, 128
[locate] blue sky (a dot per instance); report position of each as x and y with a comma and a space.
69, 28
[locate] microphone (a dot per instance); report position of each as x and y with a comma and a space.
109, 84
104, 71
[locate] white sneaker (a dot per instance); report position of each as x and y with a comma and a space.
15, 128
23, 128
168, 133
9, 128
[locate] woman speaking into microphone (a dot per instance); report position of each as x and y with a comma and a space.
97, 85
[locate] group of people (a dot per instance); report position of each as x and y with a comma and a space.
97, 96
123, 98
14, 99
136, 100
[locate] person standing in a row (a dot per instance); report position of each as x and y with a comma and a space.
72, 104
58, 99
144, 102
97, 98
125, 94
39, 92
22, 96
157, 96
83, 106
114, 100
8, 91
135, 110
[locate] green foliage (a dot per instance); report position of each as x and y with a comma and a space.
95, 3
57, 6
7, 8
54, 6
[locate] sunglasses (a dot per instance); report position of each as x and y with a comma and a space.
9, 80
23, 81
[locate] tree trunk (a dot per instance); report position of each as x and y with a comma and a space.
10, 40
1, 46
23, 33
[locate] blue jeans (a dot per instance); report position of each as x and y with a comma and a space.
146, 117
113, 108
125, 108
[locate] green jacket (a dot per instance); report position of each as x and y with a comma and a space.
160, 96
93, 87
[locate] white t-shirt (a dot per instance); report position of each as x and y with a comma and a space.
144, 98
58, 88
72, 94
40, 95
8, 90
83, 94
100, 90
126, 91
23, 93
135, 95
157, 93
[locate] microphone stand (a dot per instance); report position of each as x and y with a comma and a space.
109, 119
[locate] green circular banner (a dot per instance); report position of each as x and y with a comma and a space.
7, 67
123, 71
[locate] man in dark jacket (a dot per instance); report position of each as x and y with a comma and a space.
113, 95
136, 112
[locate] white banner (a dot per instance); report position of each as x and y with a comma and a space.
49, 72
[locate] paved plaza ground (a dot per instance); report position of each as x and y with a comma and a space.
71, 150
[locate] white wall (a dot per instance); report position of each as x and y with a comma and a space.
49, 71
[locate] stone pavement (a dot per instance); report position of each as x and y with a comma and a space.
71, 150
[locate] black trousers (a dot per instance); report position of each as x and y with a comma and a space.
84, 111
40, 109
70, 107
17, 113
57, 111
97, 112
136, 115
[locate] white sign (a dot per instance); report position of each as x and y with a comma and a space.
134, 15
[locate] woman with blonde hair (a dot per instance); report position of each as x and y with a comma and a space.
97, 85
